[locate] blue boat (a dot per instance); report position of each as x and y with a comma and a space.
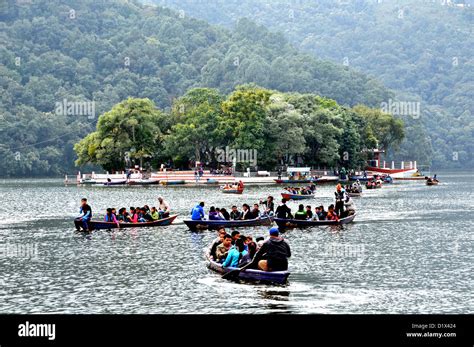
279, 277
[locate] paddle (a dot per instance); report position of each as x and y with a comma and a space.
235, 273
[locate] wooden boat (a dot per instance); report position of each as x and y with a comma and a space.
98, 225
388, 179
432, 182
360, 178
195, 225
354, 194
280, 181
253, 275
173, 183
289, 196
232, 191
377, 185
296, 223
143, 182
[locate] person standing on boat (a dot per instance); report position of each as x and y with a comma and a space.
274, 253
283, 211
197, 213
164, 208
340, 197
86, 214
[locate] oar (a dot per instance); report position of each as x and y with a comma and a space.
235, 273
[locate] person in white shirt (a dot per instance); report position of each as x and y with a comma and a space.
164, 208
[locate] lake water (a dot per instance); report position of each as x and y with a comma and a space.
410, 250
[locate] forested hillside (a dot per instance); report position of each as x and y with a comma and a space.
58, 53
422, 49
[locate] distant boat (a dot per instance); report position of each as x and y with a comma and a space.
143, 182
289, 196
232, 191
173, 183
291, 181
115, 183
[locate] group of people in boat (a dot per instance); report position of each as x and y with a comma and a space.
238, 186
236, 250
245, 213
301, 190
355, 187
133, 215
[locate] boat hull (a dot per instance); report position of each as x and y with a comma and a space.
289, 196
100, 225
115, 183
195, 225
292, 181
279, 277
173, 183
145, 182
395, 173
232, 191
295, 223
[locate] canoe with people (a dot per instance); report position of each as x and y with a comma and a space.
132, 218
341, 212
233, 188
239, 257
354, 190
373, 184
235, 218
297, 193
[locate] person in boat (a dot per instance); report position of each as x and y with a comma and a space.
269, 206
340, 197
236, 253
301, 213
317, 212
154, 213
133, 215
220, 238
164, 208
332, 215
197, 213
123, 216
256, 210
85, 214
246, 213
283, 211
309, 212
274, 253
251, 251
235, 236
213, 214
349, 206
322, 215
225, 214
240, 185
110, 217
235, 213
145, 215
223, 248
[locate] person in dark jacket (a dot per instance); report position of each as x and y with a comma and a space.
283, 211
274, 253
235, 214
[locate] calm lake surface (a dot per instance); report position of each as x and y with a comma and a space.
409, 251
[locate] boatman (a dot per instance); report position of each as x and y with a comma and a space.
86, 214
197, 213
283, 211
164, 208
274, 253
340, 197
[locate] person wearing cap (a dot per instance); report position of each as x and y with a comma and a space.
164, 208
274, 253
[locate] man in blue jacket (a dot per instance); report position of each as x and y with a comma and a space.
197, 213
